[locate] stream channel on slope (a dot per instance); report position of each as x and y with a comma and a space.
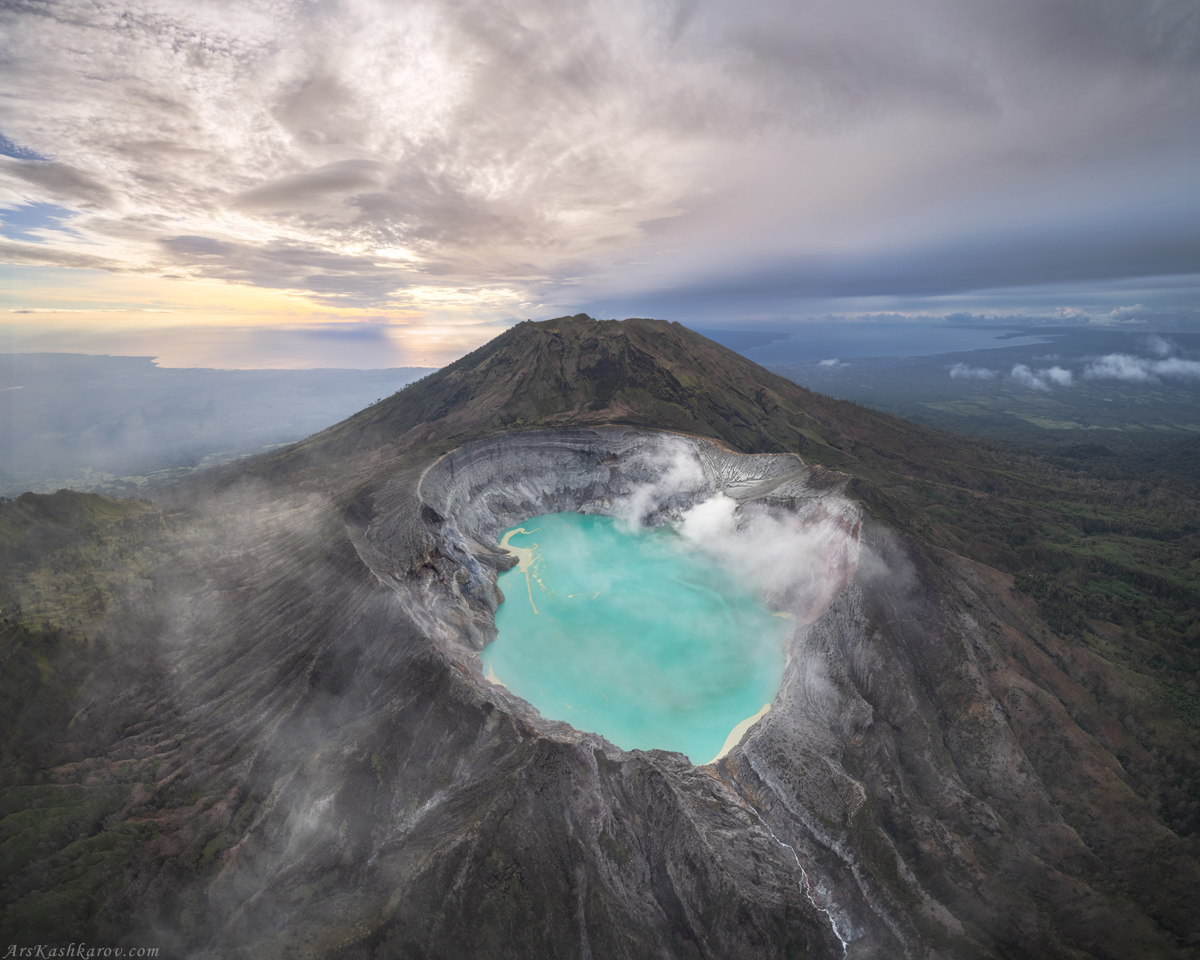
634, 634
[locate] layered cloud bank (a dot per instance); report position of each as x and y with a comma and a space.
436, 159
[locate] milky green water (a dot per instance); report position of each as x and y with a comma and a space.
635, 635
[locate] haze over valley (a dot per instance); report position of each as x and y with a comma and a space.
114, 424
110, 424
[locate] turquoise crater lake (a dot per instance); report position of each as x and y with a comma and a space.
636, 635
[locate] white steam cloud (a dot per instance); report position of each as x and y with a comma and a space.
681, 475
797, 559
800, 563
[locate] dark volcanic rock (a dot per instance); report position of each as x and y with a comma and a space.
282, 745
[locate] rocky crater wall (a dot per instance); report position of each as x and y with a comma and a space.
434, 541
469, 496
488, 486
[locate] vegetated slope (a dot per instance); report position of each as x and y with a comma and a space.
239, 664
63, 557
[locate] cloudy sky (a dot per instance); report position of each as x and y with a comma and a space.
286, 183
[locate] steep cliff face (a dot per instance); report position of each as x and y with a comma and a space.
282, 743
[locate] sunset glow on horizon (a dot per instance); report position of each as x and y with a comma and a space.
213, 323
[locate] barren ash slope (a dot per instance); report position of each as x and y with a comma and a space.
249, 720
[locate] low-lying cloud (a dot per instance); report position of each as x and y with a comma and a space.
960, 371
1123, 316
1130, 369
1042, 379
1159, 346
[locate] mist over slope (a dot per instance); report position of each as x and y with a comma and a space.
271, 736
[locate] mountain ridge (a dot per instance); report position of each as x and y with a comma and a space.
583, 371
636, 372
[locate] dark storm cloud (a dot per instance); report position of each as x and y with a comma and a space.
611, 151
1061, 253
43, 254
